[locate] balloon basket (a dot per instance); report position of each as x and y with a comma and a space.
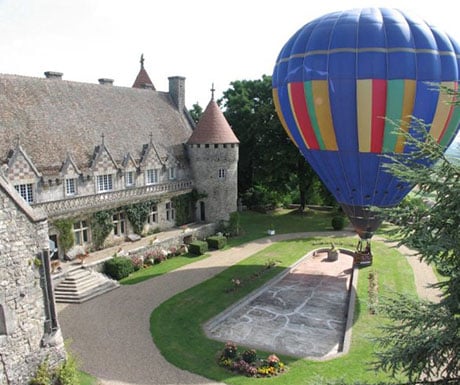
363, 256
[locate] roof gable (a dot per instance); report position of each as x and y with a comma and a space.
69, 168
103, 161
20, 166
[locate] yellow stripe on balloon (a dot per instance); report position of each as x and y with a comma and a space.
276, 101
443, 112
323, 113
364, 114
406, 114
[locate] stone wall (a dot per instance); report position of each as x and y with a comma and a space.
221, 192
24, 340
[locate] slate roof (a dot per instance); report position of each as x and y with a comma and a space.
143, 79
213, 128
52, 118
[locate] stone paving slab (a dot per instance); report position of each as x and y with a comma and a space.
302, 313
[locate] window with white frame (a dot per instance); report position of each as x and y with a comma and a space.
222, 173
104, 183
172, 173
80, 232
71, 186
151, 176
170, 211
153, 215
26, 191
118, 223
129, 178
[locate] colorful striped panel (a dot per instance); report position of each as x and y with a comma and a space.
449, 133
299, 107
276, 101
399, 108
443, 114
319, 107
371, 105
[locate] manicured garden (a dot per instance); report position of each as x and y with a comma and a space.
189, 348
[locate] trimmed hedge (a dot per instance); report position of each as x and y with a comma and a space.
216, 241
118, 267
338, 222
198, 247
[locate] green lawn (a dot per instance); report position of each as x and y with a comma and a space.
254, 226
176, 325
86, 379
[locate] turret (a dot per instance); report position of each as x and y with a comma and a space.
213, 152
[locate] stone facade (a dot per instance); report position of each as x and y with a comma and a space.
217, 166
28, 328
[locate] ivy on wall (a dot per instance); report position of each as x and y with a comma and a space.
138, 214
65, 229
101, 226
185, 206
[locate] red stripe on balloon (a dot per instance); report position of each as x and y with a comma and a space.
451, 111
299, 103
379, 102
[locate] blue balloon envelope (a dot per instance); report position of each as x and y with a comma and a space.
341, 83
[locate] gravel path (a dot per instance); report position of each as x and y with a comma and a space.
111, 333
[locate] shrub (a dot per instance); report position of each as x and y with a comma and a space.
67, 373
198, 247
43, 375
249, 355
118, 267
338, 222
216, 241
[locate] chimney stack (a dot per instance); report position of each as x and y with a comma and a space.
177, 91
105, 81
53, 75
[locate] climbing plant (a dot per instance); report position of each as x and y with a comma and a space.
66, 239
138, 214
184, 205
101, 226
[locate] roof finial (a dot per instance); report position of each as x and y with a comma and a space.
142, 61
18, 140
212, 91
102, 137
151, 138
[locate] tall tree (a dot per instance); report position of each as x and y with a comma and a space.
267, 156
423, 339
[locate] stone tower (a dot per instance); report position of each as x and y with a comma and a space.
213, 155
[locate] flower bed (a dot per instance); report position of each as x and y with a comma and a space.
248, 363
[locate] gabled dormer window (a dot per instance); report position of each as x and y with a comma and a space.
104, 183
151, 176
172, 173
26, 191
129, 178
70, 186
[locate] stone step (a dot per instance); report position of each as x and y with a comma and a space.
81, 285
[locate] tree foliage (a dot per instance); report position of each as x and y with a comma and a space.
267, 157
423, 339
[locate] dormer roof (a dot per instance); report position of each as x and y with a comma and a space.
213, 128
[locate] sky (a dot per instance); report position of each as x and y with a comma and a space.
206, 41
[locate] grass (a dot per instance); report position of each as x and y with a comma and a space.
161, 268
86, 379
176, 325
254, 226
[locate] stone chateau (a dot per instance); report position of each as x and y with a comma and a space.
69, 150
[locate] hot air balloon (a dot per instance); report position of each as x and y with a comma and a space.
340, 83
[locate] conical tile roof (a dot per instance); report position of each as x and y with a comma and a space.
212, 128
143, 78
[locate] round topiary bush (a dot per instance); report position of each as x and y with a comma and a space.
338, 222
118, 267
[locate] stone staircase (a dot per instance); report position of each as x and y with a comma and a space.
81, 285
